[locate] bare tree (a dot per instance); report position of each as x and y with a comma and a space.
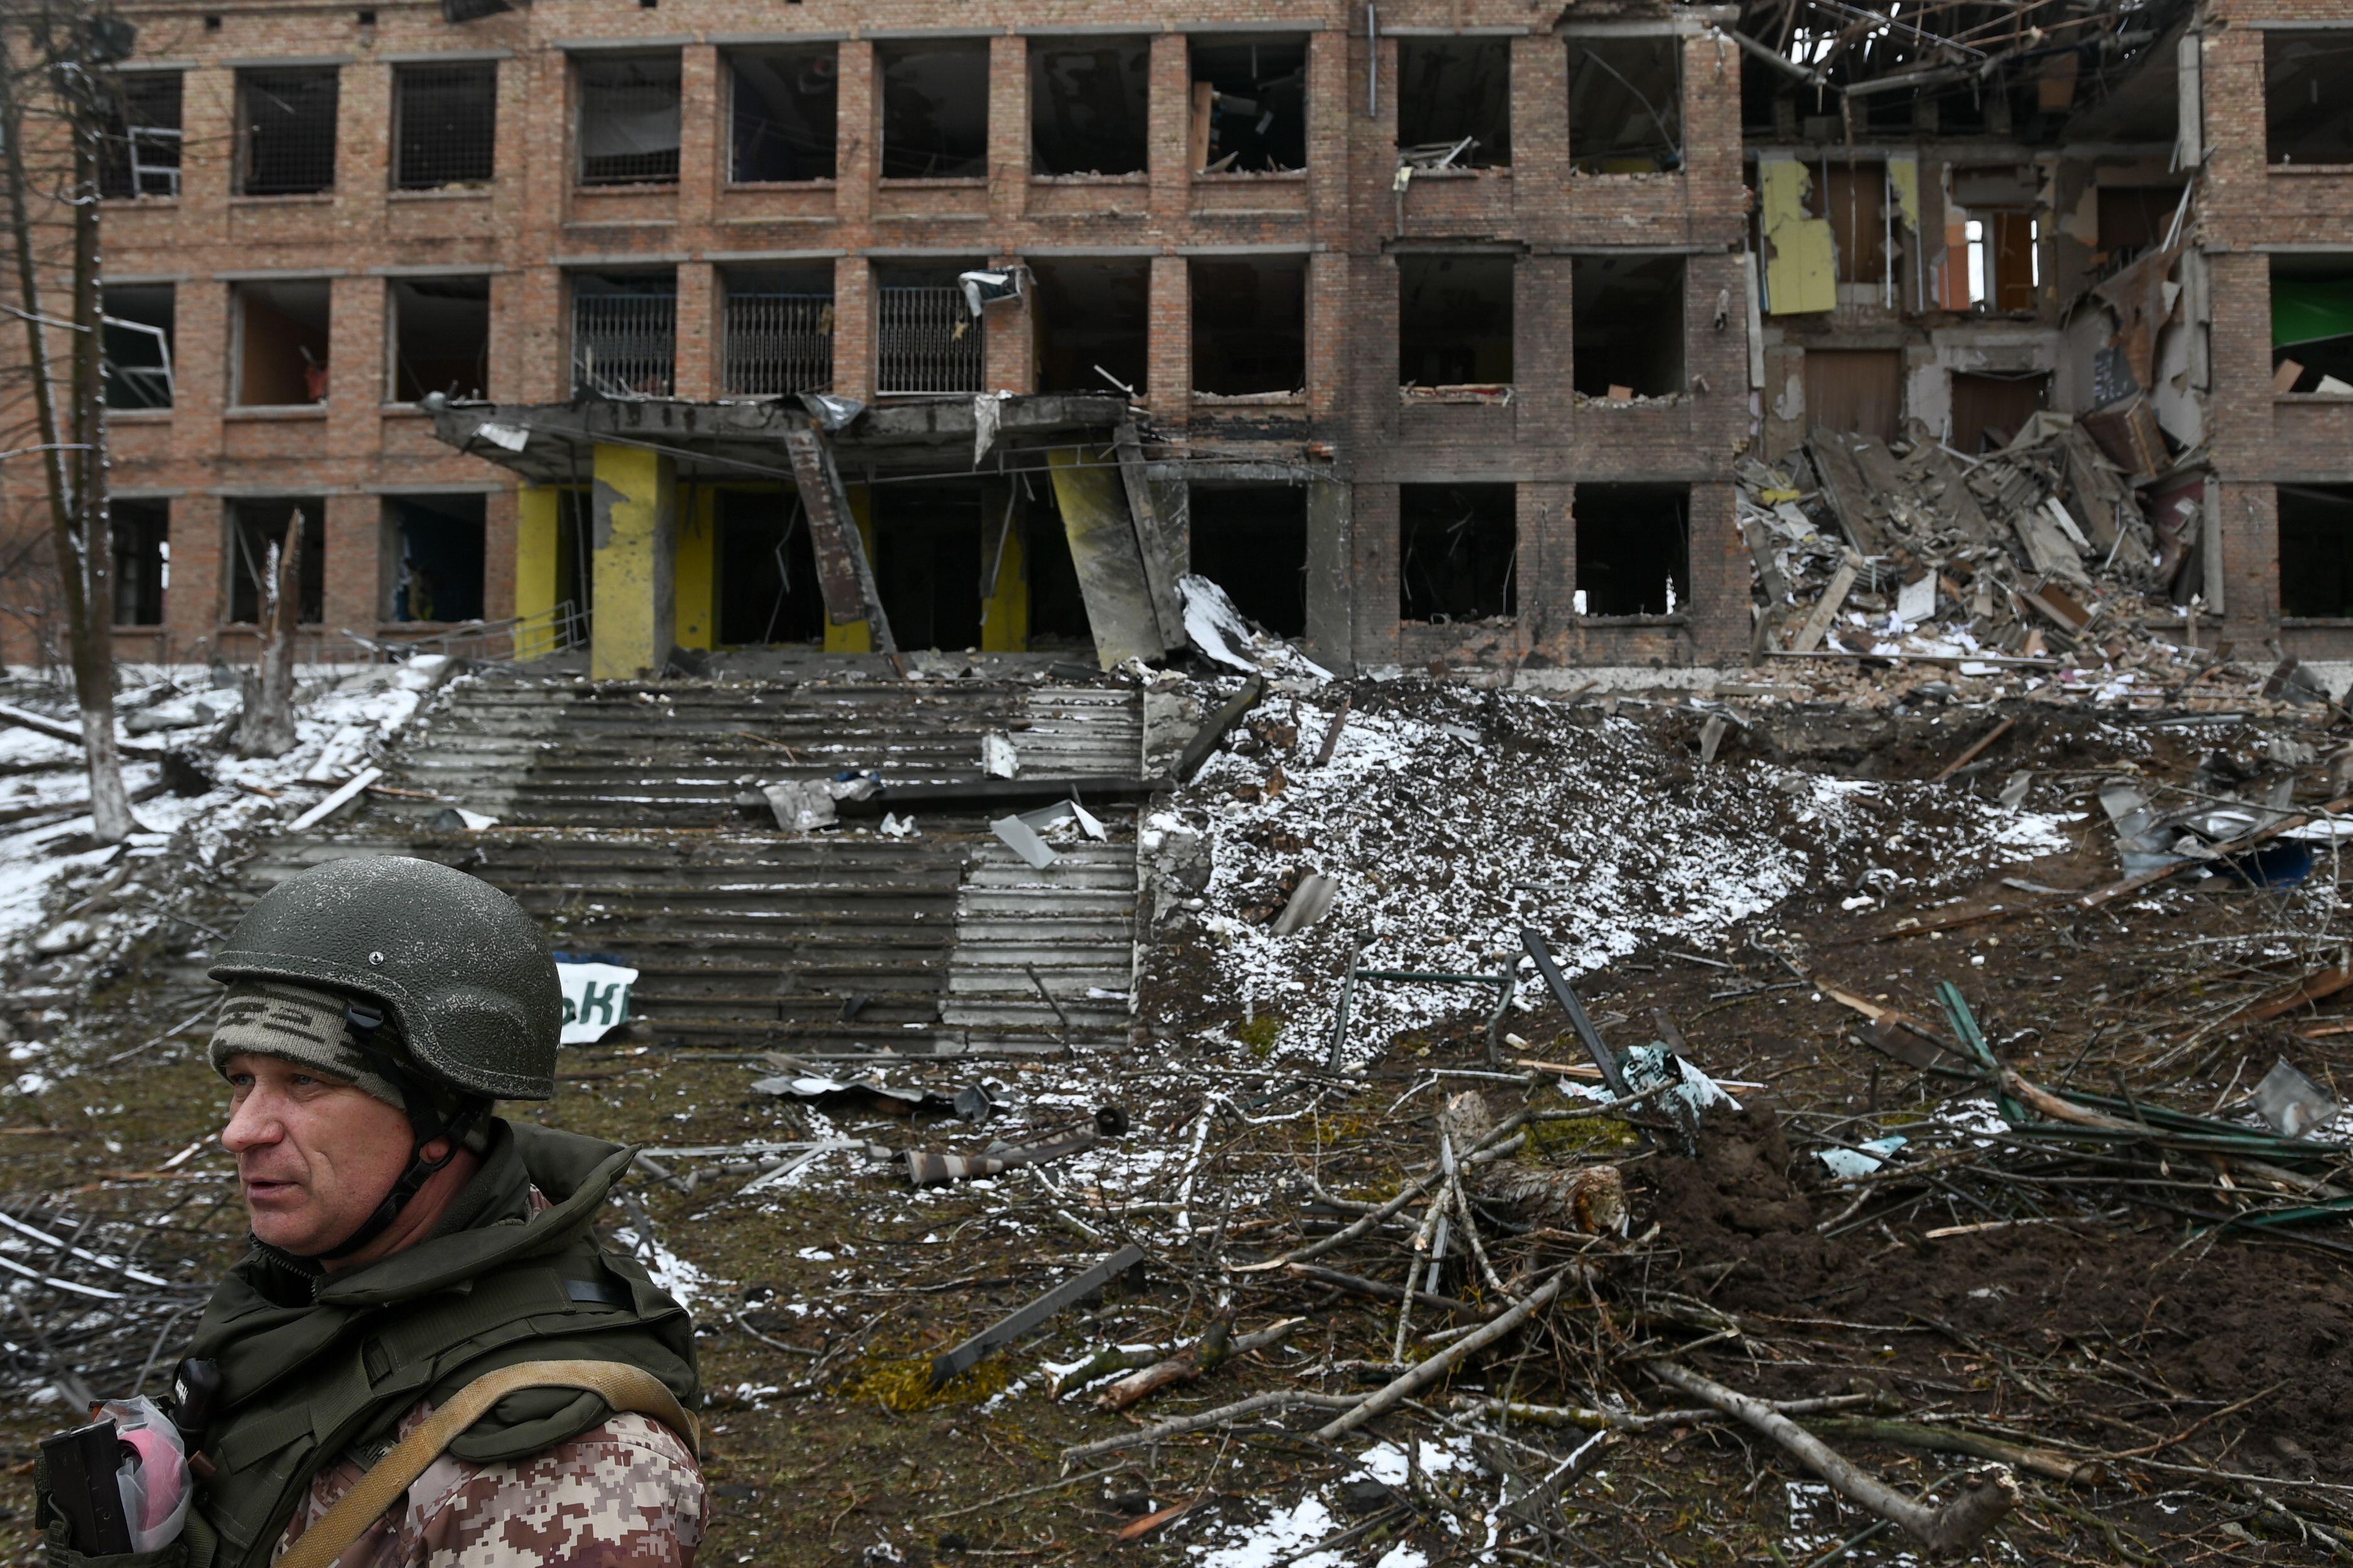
265, 726
54, 93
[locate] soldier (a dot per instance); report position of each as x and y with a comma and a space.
427, 1355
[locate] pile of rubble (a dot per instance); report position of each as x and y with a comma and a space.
2030, 570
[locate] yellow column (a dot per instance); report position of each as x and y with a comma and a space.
538, 517
1005, 614
636, 547
857, 637
698, 572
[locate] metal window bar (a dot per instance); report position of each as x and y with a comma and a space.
446, 119
927, 340
624, 345
778, 343
140, 386
141, 150
286, 132
628, 129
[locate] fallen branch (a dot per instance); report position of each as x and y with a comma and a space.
1436, 1367
1588, 1419
1224, 1414
1987, 1496
2075, 1471
1364, 1287
1196, 1360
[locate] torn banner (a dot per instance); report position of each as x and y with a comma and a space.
596, 994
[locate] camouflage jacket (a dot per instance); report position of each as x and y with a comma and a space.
625, 1494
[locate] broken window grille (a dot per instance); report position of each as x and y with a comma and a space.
432, 555
1252, 540
927, 339
440, 338
1087, 105
1454, 102
1633, 549
629, 127
2312, 324
142, 559
1250, 325
137, 345
1454, 321
445, 124
142, 150
1626, 335
782, 109
1092, 319
280, 343
934, 109
778, 332
1250, 105
1458, 548
258, 524
1625, 104
286, 129
2315, 552
2307, 112
623, 333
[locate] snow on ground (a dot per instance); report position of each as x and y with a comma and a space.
1453, 819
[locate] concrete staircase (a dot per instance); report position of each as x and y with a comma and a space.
619, 830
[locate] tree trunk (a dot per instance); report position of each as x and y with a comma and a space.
266, 727
72, 440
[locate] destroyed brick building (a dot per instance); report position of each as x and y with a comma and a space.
1429, 332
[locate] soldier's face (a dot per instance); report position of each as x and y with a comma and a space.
315, 1155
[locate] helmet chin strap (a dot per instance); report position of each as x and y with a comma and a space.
426, 1122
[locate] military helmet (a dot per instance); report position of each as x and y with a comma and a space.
463, 972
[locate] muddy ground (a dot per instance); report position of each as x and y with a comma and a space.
2199, 1380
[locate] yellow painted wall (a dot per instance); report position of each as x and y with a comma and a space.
1005, 618
1800, 264
538, 516
856, 636
636, 541
697, 571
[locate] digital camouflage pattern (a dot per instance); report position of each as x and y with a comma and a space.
626, 1494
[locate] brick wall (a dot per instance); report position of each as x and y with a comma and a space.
534, 220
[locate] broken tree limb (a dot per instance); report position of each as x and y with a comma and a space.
1987, 1496
1332, 731
1364, 1287
1206, 1353
1224, 1414
1595, 1420
1437, 1367
2075, 1469
60, 729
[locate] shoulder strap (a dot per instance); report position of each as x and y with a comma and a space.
619, 1385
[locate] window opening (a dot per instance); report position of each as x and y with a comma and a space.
1454, 102
1087, 105
1250, 105
2005, 261
445, 124
143, 560
928, 561
1988, 408
628, 120
286, 131
2312, 324
1633, 549
281, 343
2308, 113
767, 570
783, 106
2315, 550
256, 526
1092, 316
1249, 324
777, 330
1454, 321
1625, 105
137, 343
142, 150
440, 338
1457, 547
934, 110
1252, 540
623, 333
927, 339
433, 552
1627, 325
